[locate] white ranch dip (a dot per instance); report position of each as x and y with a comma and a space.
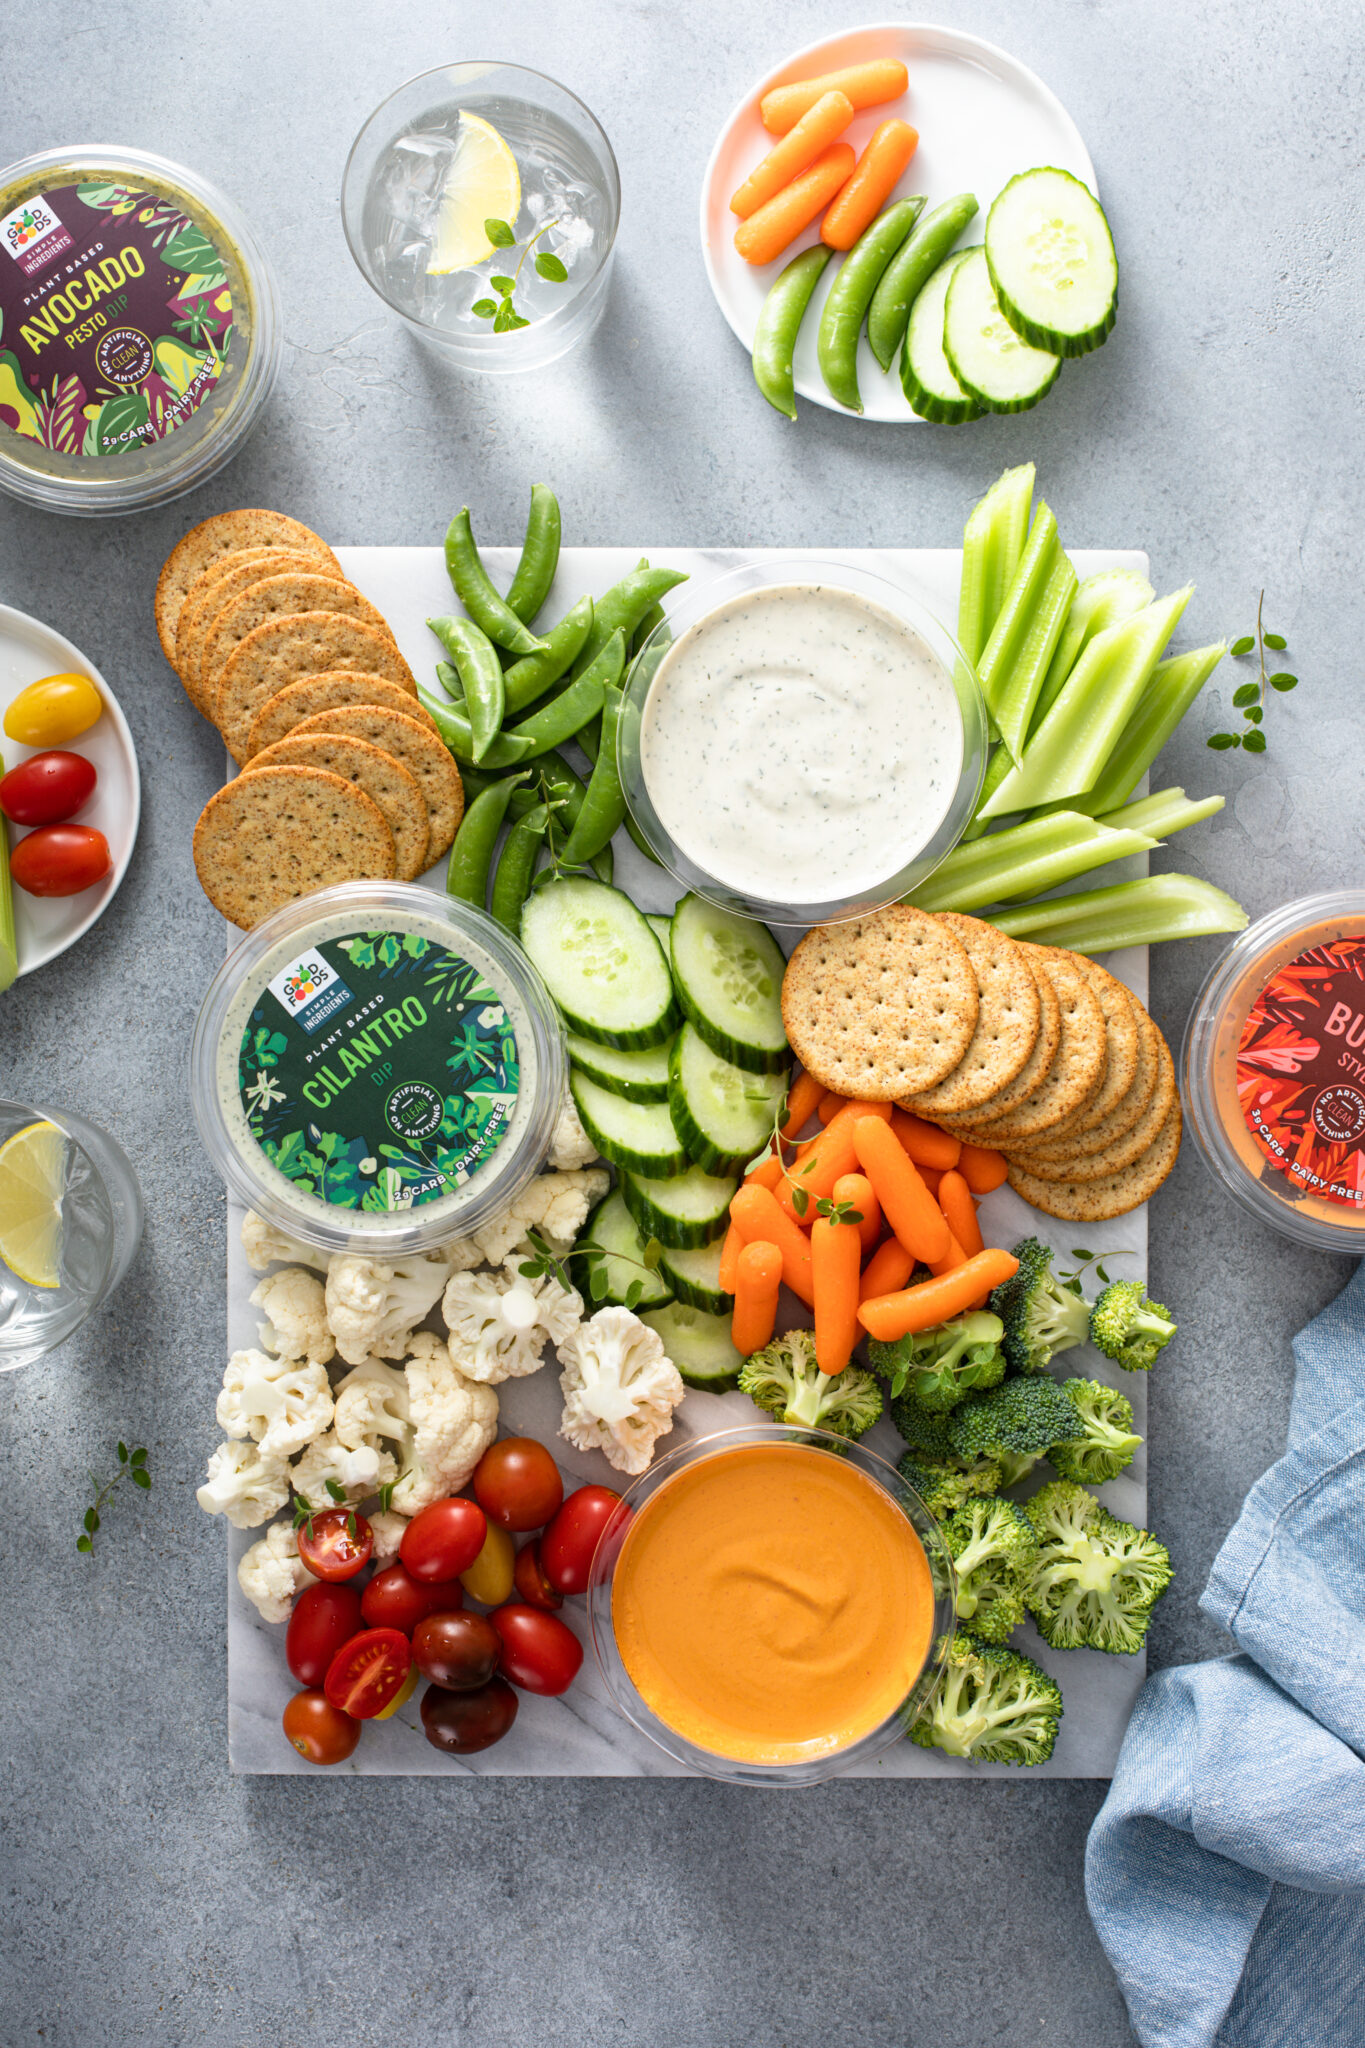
801, 744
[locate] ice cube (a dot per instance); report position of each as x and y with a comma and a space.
414, 176
570, 238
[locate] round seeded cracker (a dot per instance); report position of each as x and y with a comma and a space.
1008, 1022
1097, 1201
276, 597
881, 1007
392, 786
327, 692
1036, 1067
275, 834
282, 650
220, 536
1067, 1144
213, 590
1077, 1073
425, 757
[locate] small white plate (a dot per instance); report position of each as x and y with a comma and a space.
982, 117
46, 925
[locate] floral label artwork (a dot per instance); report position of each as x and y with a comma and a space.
116, 318
378, 1071
1301, 1072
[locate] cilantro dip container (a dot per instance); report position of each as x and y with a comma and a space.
139, 330
1274, 1071
377, 1068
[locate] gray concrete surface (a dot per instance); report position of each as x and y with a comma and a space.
148, 1897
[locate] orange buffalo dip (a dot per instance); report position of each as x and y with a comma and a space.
772, 1604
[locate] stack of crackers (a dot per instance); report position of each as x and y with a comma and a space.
1035, 1052
343, 775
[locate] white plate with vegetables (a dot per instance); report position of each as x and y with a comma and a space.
982, 119
61, 799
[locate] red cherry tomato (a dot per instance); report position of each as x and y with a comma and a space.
394, 1599
528, 1576
324, 1618
47, 788
461, 1722
517, 1483
459, 1651
567, 1546
318, 1730
443, 1540
336, 1544
60, 860
367, 1672
538, 1652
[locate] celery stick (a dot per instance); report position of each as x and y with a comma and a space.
992, 542
1035, 610
9, 944
997, 768
1170, 810
1066, 754
1144, 913
1168, 696
1104, 599
1024, 860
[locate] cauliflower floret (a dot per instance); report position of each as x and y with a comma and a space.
620, 1388
372, 1408
245, 1484
454, 1421
296, 1308
265, 1246
499, 1322
272, 1574
556, 1204
571, 1146
358, 1473
463, 1255
282, 1402
387, 1529
374, 1305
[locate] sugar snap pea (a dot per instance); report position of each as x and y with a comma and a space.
652, 618
481, 679
472, 854
452, 723
517, 866
567, 714
623, 607
910, 269
779, 323
539, 556
841, 319
605, 805
475, 591
532, 676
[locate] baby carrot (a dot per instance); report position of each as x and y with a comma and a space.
768, 1175
729, 1260
803, 1099
756, 1283
830, 1105
758, 1219
856, 1190
931, 1179
907, 1204
889, 1316
863, 85
820, 1163
836, 1257
862, 198
982, 1169
952, 1258
955, 1200
887, 1271
822, 124
926, 1143
850, 1113
765, 234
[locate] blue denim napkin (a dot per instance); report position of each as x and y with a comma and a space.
1225, 1872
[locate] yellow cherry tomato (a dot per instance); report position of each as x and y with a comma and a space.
52, 711
489, 1578
400, 1698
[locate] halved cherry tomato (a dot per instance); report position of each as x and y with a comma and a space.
47, 788
539, 1653
517, 1483
489, 1578
336, 1544
401, 1697
319, 1731
443, 1540
528, 1576
324, 1618
365, 1673
460, 1651
394, 1599
461, 1722
566, 1548
60, 860
56, 709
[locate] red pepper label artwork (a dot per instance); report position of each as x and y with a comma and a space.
1301, 1072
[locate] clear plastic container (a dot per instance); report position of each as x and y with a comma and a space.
139, 330
1273, 1071
377, 1069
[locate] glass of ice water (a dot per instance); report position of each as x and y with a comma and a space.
476, 141
98, 1228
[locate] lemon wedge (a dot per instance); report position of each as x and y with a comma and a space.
32, 1177
483, 183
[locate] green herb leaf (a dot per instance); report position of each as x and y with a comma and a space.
550, 267
1254, 742
505, 318
139, 1457
634, 1292
800, 1201
484, 308
1276, 640
597, 1283
338, 1493
1100, 1274
503, 284
1242, 646
1255, 714
84, 1543
654, 1251
1221, 741
142, 1477
1247, 694
1283, 681
499, 233
123, 1454
92, 1520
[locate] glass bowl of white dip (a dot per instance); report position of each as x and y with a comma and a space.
801, 740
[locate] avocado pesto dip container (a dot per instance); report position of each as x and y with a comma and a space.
139, 330
377, 1069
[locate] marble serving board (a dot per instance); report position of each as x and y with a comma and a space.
582, 1734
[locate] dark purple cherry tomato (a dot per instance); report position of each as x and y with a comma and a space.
459, 1651
461, 1722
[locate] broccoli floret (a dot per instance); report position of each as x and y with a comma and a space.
1128, 1328
993, 1544
1025, 1416
1015, 1466
1095, 1579
994, 1704
926, 1434
939, 1367
784, 1380
944, 1485
1041, 1317
1106, 1416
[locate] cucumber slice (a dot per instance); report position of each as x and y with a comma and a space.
639, 1076
686, 1210
636, 1136
926, 378
699, 1345
612, 1226
723, 1113
601, 963
728, 973
662, 928
694, 1277
1052, 262
984, 353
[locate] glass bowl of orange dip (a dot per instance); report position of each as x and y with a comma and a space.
771, 1605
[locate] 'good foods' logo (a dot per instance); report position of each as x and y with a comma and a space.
33, 235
